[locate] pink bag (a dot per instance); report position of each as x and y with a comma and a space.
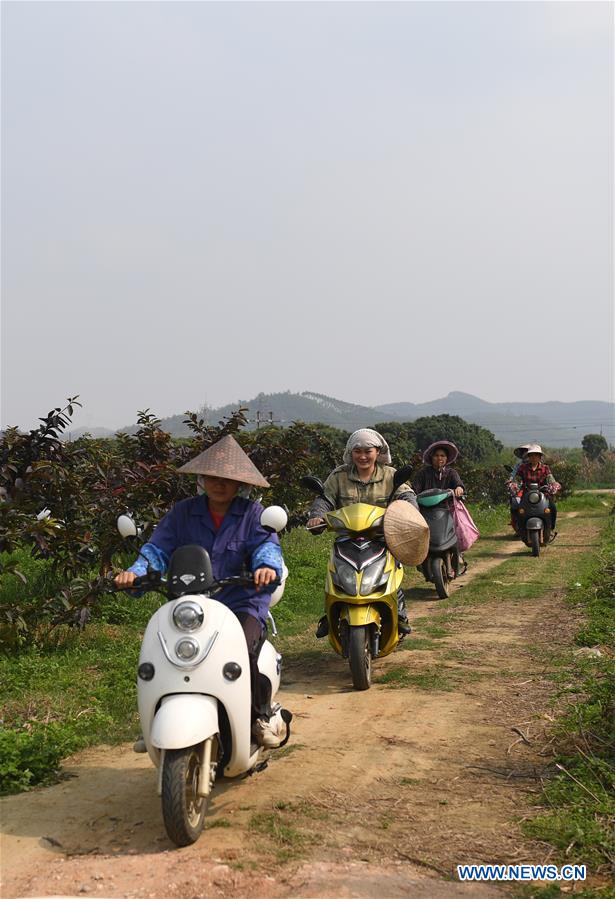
466, 530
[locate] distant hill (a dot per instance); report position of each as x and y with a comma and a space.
76, 433
283, 409
554, 423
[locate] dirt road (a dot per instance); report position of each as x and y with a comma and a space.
381, 792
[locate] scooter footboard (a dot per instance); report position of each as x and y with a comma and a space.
184, 719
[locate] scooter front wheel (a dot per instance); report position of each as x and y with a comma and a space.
440, 577
535, 542
183, 810
360, 657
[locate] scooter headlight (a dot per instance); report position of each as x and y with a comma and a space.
345, 577
534, 497
188, 616
372, 576
187, 649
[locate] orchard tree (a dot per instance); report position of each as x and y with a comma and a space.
475, 444
400, 437
594, 445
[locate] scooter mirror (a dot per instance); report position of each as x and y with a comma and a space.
274, 518
126, 526
313, 484
401, 475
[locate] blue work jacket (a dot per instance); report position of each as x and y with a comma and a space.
239, 543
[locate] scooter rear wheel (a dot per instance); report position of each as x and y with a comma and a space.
360, 657
535, 542
440, 577
183, 810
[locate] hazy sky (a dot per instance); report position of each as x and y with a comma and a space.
376, 201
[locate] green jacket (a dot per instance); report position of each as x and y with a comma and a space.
344, 487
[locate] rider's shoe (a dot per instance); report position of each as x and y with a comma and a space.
139, 745
323, 627
552, 536
271, 732
403, 625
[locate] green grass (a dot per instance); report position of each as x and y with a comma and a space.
554, 891
73, 690
578, 813
306, 557
76, 688
218, 822
285, 832
55, 702
433, 678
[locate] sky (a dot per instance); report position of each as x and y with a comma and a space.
381, 202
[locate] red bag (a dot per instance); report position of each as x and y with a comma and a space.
466, 530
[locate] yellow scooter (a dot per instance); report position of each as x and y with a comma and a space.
362, 584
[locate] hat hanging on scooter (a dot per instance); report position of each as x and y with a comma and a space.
534, 448
406, 533
520, 451
449, 448
226, 459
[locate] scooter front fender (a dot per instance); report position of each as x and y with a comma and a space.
534, 524
184, 719
358, 616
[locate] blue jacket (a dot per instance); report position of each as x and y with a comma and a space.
239, 543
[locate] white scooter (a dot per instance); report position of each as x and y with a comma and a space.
193, 685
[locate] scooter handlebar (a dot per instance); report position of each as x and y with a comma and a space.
240, 580
316, 528
152, 580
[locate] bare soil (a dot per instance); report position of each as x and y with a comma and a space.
380, 793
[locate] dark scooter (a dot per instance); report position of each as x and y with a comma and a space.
444, 561
533, 519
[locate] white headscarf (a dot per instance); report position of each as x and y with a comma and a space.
368, 437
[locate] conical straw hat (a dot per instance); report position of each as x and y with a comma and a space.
406, 533
226, 459
449, 448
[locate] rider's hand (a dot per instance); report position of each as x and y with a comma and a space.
314, 522
264, 576
458, 491
124, 579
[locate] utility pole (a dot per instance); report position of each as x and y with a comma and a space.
270, 419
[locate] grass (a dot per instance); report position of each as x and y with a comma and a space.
554, 891
578, 803
285, 831
444, 678
78, 688
218, 822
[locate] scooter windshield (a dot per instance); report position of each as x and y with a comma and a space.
356, 518
189, 572
432, 497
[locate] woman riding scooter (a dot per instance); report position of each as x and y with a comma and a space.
366, 476
515, 498
437, 474
534, 471
227, 525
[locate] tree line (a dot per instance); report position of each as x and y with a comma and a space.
59, 499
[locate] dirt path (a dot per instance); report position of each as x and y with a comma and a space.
382, 792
